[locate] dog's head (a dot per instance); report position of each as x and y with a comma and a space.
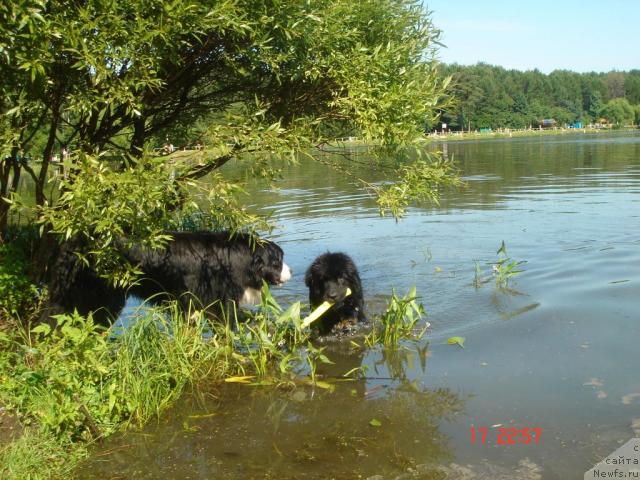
268, 263
329, 276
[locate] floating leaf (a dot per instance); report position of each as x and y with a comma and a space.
189, 428
204, 415
262, 383
240, 379
630, 397
374, 422
456, 341
325, 385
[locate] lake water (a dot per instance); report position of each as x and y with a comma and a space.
559, 351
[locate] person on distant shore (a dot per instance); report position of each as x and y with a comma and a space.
168, 148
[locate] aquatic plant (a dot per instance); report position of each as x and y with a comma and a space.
502, 271
313, 357
399, 321
80, 380
505, 268
478, 280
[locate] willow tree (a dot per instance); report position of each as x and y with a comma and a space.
104, 79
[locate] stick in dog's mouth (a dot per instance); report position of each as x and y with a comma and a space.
321, 310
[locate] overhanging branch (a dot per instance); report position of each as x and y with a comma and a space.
200, 171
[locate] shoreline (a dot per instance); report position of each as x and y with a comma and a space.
509, 133
351, 142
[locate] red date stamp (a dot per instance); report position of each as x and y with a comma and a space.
506, 435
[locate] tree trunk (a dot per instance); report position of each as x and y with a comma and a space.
139, 136
7, 188
47, 243
46, 160
5, 169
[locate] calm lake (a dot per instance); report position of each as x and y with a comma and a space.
559, 351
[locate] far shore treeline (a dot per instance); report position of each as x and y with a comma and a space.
488, 96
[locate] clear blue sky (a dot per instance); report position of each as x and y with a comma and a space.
582, 36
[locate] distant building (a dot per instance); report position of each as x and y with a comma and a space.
547, 123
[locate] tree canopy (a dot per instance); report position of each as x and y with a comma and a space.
104, 81
489, 96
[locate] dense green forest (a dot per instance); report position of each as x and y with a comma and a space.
488, 96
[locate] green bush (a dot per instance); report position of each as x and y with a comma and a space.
17, 293
56, 377
80, 380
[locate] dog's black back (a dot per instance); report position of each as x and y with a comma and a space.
210, 266
328, 278
203, 267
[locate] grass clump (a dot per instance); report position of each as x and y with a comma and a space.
399, 321
79, 381
38, 455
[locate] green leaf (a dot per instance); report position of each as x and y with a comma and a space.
42, 328
456, 341
374, 422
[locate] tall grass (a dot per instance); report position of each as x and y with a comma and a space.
38, 455
156, 358
80, 382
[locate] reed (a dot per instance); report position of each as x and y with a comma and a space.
399, 321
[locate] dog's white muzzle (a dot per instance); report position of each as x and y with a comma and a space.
285, 274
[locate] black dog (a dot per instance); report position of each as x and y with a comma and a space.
203, 267
328, 278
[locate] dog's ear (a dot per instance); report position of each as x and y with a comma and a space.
258, 259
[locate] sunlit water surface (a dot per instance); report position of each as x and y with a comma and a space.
559, 352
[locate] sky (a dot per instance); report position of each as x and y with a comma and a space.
583, 36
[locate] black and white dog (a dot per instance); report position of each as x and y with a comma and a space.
328, 278
202, 267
